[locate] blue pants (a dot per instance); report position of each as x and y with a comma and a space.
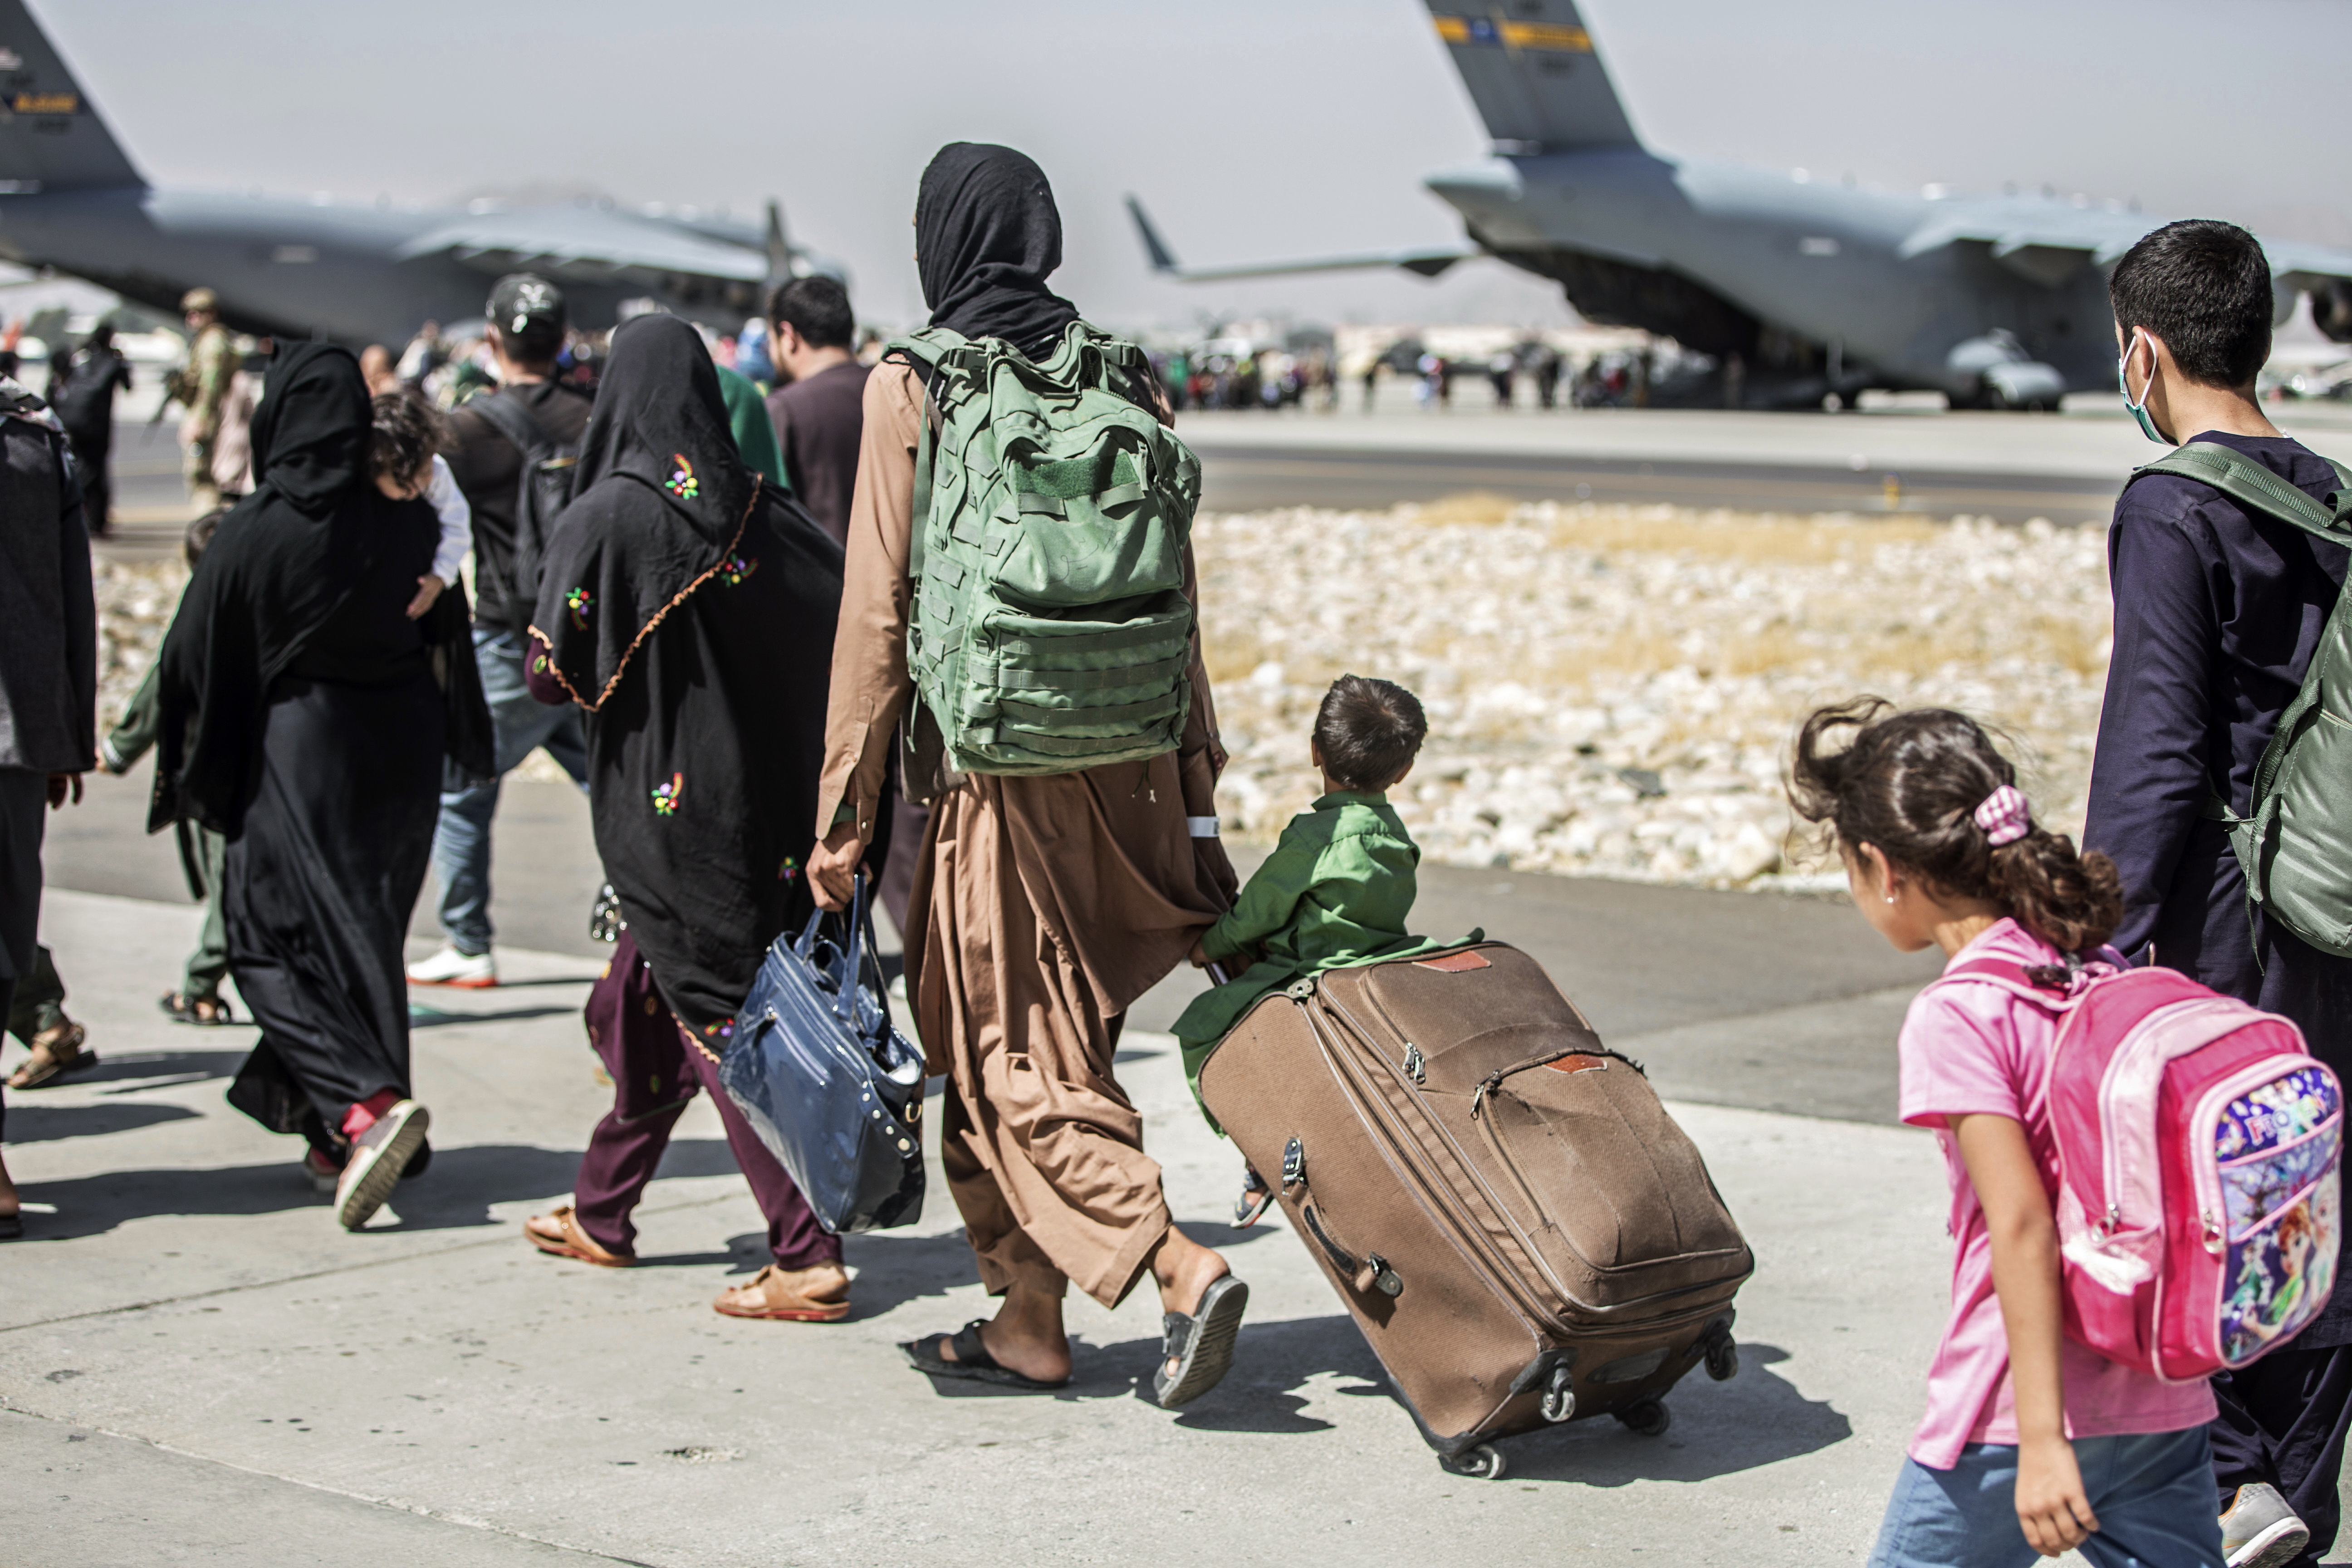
520, 724
2153, 1495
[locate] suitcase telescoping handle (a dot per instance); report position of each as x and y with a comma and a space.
1369, 1273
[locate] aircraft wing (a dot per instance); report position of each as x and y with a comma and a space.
585, 244
1427, 261
2046, 242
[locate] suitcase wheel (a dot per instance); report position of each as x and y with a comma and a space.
1484, 1463
1723, 1359
1650, 1417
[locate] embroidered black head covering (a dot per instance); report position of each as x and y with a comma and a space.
670, 497
987, 235
691, 611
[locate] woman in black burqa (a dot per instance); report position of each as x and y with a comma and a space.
304, 717
689, 608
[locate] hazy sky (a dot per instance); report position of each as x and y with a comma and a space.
1253, 131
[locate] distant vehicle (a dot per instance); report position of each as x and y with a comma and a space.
357, 272
1819, 288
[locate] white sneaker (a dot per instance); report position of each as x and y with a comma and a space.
378, 1157
470, 971
2260, 1531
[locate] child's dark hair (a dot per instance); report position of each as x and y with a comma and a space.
1910, 780
406, 435
2204, 286
1368, 732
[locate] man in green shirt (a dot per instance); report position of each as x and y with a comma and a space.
1340, 885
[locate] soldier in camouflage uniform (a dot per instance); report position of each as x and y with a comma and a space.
202, 387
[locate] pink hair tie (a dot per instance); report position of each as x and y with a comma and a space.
2005, 816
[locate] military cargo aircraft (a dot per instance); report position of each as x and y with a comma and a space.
358, 272
1819, 289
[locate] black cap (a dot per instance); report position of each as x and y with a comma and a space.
525, 305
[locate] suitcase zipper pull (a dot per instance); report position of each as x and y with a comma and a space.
1412, 1063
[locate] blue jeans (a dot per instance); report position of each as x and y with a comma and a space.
2153, 1495
520, 724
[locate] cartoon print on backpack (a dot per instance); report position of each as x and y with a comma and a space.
2281, 1276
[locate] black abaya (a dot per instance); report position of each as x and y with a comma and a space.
306, 714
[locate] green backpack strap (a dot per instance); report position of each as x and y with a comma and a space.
2254, 487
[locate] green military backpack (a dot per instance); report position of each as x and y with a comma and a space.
2295, 841
1050, 631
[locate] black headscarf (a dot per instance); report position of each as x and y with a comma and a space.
658, 449
987, 235
284, 559
690, 609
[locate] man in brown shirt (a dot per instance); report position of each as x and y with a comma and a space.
818, 408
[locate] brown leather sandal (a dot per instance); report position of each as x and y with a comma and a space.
559, 1234
56, 1053
818, 1295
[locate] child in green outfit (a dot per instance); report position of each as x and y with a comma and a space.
1337, 890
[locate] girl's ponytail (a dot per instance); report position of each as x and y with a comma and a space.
1929, 788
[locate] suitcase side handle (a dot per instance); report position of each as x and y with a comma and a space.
1373, 1273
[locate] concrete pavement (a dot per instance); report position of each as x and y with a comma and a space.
196, 1366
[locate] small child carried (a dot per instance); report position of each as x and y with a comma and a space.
1339, 887
2032, 1442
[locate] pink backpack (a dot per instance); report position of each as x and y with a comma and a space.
2198, 1144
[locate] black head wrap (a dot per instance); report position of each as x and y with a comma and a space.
283, 560
691, 611
987, 235
660, 499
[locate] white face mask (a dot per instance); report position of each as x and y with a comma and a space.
2140, 410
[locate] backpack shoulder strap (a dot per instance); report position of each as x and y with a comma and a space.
2251, 485
512, 421
2047, 989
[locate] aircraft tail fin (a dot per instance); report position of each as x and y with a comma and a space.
1535, 75
1155, 249
51, 137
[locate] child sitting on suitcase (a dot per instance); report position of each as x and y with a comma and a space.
1338, 888
1941, 849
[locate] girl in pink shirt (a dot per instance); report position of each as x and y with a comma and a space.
2031, 1443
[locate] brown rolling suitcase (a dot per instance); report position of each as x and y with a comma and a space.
1514, 1222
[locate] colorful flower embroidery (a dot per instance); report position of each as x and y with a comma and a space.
722, 1030
682, 482
789, 869
736, 568
579, 600
539, 663
665, 795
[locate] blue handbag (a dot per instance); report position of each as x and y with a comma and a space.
835, 1092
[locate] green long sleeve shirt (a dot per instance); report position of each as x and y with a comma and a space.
1337, 891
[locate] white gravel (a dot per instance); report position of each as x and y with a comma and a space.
1611, 690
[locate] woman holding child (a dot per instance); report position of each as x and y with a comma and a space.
310, 687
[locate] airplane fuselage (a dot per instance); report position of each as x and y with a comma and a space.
1861, 272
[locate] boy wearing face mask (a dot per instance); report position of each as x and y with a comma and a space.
2218, 611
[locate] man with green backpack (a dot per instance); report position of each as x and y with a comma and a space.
1018, 605
2222, 787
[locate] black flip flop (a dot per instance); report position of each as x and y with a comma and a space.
972, 1361
1200, 1345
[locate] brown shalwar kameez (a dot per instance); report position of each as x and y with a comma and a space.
1046, 906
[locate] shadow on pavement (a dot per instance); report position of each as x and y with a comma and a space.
423, 1018
1758, 1418
44, 1123
455, 1194
893, 1270
161, 1070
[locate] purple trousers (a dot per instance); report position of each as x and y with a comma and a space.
654, 1072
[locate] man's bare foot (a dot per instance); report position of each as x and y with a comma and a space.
1185, 1270
1026, 1336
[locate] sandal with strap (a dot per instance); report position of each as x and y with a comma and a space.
566, 1240
56, 1053
782, 1295
1200, 1344
1255, 1199
204, 1011
972, 1361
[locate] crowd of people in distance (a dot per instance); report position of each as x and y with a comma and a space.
697, 590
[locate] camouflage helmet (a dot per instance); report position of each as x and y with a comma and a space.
200, 300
